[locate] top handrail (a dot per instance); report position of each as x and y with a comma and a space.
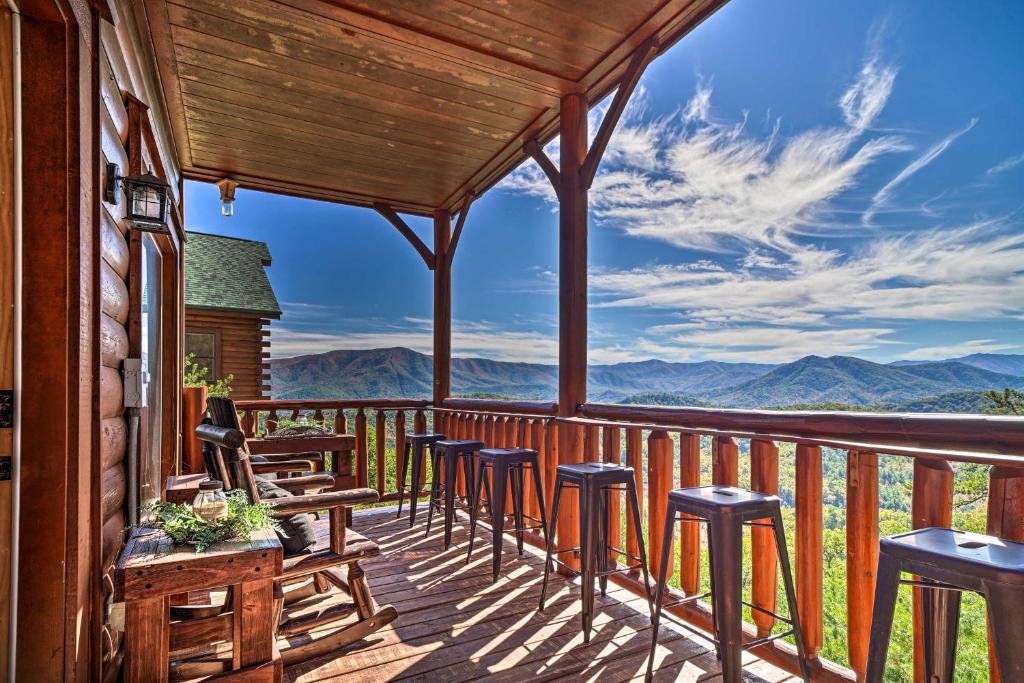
332, 404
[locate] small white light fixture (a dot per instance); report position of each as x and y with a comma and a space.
227, 196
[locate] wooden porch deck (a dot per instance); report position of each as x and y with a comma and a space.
454, 625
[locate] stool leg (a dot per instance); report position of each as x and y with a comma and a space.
467, 473
538, 488
474, 508
887, 584
451, 463
401, 476
435, 489
550, 540
1005, 605
727, 535
602, 540
782, 551
666, 546
516, 474
634, 504
499, 479
588, 533
941, 618
417, 483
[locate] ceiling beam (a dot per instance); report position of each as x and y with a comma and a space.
463, 212
533, 148
403, 227
627, 84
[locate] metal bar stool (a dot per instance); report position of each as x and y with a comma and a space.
415, 445
727, 509
505, 465
451, 453
950, 562
596, 482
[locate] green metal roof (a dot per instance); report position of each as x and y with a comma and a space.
227, 274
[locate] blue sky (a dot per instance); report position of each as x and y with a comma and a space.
791, 178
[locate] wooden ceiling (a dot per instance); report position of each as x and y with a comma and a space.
413, 103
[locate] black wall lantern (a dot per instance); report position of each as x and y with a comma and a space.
147, 199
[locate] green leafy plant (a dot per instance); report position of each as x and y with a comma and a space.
182, 524
196, 375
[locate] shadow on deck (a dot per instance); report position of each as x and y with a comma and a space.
454, 625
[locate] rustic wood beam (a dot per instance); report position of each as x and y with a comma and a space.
467, 201
442, 307
533, 148
641, 58
403, 227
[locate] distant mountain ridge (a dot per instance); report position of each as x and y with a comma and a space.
402, 372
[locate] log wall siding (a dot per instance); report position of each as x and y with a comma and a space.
243, 349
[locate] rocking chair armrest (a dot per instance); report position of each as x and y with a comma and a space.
313, 456
309, 482
281, 466
322, 501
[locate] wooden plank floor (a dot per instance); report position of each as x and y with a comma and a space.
454, 625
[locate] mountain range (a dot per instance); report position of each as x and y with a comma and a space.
401, 372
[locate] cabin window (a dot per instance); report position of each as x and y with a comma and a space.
202, 346
150, 485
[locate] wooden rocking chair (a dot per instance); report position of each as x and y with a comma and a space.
312, 583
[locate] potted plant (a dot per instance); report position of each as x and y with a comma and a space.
181, 522
197, 387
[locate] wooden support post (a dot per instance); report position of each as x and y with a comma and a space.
635, 459
764, 477
810, 548
689, 532
659, 483
931, 505
861, 553
361, 449
442, 307
725, 461
380, 451
1005, 520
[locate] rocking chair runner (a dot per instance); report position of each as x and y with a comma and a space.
308, 579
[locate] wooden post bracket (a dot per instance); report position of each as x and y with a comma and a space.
467, 201
402, 227
630, 77
627, 85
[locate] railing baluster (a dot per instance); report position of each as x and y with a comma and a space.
361, 449
689, 532
247, 422
725, 461
571, 440
764, 477
511, 431
381, 442
272, 421
550, 463
318, 416
611, 447
1005, 520
340, 423
931, 505
810, 547
634, 459
399, 446
861, 553
659, 483
420, 425
521, 432
591, 442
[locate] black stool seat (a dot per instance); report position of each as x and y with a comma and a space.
505, 466
726, 509
416, 444
704, 501
596, 481
948, 562
451, 452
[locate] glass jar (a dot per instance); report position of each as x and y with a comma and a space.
211, 504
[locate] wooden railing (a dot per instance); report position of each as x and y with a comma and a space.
664, 447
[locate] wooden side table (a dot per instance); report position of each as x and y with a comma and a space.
151, 569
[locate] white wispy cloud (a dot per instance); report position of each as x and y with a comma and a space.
1007, 164
864, 100
965, 348
882, 197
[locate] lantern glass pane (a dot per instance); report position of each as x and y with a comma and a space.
147, 203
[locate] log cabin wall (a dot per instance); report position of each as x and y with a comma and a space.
241, 349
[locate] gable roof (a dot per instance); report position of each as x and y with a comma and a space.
227, 274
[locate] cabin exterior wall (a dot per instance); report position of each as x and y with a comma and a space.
241, 349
